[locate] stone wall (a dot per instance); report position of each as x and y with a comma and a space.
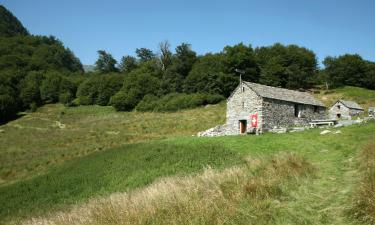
277, 113
240, 105
343, 111
346, 113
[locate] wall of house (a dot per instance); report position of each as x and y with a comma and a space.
343, 110
240, 105
277, 113
355, 112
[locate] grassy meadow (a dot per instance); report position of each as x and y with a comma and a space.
54, 134
92, 165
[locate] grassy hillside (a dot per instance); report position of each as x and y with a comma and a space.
54, 134
136, 165
58, 158
362, 96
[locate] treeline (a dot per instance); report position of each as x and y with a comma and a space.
35, 70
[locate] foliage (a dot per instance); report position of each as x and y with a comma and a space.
174, 76
97, 90
105, 63
349, 70
144, 54
9, 25
177, 101
288, 66
241, 57
53, 85
30, 89
207, 76
128, 63
24, 59
138, 83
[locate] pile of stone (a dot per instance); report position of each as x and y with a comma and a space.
213, 132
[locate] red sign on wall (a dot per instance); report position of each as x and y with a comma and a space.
254, 120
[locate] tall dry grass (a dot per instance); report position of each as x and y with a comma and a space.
239, 195
364, 200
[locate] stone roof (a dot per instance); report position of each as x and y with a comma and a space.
351, 104
284, 94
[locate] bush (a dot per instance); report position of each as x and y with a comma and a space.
55, 84
148, 103
177, 101
29, 91
99, 89
66, 98
125, 101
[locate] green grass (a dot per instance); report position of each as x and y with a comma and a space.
136, 165
29, 146
364, 97
59, 157
121, 169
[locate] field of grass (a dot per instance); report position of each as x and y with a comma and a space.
364, 97
62, 160
54, 134
322, 200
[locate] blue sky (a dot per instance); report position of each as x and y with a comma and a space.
329, 27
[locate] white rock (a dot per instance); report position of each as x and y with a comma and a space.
338, 132
325, 132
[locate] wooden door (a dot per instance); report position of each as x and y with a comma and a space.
242, 126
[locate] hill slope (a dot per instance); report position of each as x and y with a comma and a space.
364, 97
10, 25
58, 157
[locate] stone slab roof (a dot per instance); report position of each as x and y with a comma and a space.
284, 94
351, 104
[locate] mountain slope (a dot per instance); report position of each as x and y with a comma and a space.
10, 25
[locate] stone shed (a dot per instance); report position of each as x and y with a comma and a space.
343, 109
371, 111
254, 107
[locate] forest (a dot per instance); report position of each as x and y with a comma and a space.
37, 70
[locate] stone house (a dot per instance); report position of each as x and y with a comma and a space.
371, 111
258, 108
343, 109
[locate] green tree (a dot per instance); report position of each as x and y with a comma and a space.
10, 25
144, 54
127, 64
207, 76
241, 57
174, 76
30, 89
288, 66
347, 70
105, 63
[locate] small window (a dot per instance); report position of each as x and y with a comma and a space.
243, 105
243, 89
338, 106
316, 109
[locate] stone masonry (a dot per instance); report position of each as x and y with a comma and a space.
274, 107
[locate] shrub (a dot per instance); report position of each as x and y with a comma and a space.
55, 84
125, 101
66, 98
148, 103
99, 89
29, 91
177, 101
